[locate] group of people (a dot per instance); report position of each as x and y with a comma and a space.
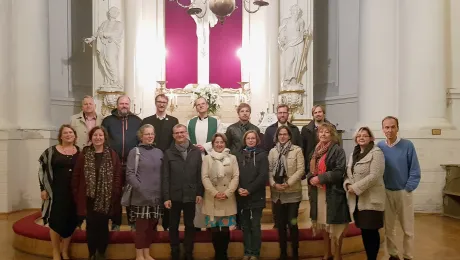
163, 170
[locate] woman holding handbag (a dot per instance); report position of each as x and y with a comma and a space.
143, 173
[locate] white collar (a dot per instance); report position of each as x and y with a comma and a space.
393, 144
161, 117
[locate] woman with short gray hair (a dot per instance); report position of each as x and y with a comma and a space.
143, 173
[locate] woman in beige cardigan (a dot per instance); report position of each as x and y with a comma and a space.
220, 176
366, 191
286, 167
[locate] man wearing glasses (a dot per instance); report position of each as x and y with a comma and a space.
163, 125
282, 113
182, 189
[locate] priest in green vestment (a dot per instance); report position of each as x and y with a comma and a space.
202, 127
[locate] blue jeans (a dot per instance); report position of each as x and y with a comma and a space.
252, 233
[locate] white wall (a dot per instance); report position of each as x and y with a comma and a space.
70, 67
336, 62
19, 153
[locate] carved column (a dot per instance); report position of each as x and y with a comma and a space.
5, 72
422, 66
31, 68
377, 62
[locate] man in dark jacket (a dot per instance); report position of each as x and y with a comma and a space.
122, 127
282, 113
236, 131
309, 132
163, 125
182, 188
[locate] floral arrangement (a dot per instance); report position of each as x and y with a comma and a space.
212, 94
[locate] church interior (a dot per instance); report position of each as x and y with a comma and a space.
362, 60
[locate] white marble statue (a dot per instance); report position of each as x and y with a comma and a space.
291, 39
108, 39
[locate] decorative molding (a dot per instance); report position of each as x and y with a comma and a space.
63, 101
453, 93
341, 99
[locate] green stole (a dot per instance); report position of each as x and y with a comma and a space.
212, 128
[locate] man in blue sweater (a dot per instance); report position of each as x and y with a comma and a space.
401, 177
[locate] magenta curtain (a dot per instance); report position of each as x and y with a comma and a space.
182, 45
225, 40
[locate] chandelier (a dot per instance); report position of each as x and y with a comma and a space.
221, 8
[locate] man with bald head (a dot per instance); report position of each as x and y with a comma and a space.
84, 121
122, 126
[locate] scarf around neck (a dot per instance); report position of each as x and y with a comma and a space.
281, 163
320, 150
99, 187
248, 154
220, 160
147, 146
358, 155
182, 148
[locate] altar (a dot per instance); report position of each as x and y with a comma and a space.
142, 48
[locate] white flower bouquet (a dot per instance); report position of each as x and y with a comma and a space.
212, 94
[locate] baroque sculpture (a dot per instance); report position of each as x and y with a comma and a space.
108, 39
294, 40
291, 39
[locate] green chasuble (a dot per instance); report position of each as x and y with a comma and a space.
212, 129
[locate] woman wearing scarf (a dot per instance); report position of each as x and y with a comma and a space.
55, 175
253, 165
286, 167
366, 190
96, 186
220, 180
328, 204
146, 202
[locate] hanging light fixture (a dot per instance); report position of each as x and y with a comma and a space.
221, 8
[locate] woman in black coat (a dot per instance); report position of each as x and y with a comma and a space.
328, 202
253, 165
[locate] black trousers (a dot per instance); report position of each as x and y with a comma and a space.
371, 241
286, 216
174, 218
274, 215
97, 231
165, 219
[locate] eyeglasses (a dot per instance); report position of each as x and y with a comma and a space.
180, 133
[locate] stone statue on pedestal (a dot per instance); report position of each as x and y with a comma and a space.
108, 39
291, 40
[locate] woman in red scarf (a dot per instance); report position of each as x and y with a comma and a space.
328, 203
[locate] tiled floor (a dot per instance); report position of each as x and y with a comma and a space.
435, 239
